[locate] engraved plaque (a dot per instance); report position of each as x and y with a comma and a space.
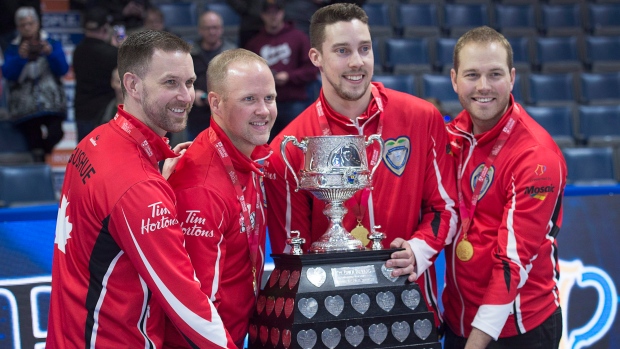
306, 339
354, 276
411, 298
308, 307
378, 333
354, 335
334, 304
401, 330
422, 328
387, 272
360, 302
331, 337
386, 300
316, 276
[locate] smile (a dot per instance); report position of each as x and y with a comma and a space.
354, 77
177, 110
258, 123
483, 100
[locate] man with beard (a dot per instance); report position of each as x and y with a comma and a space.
218, 184
119, 265
414, 186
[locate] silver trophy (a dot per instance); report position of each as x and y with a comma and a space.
335, 168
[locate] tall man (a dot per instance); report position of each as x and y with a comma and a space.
210, 44
218, 184
119, 264
414, 186
286, 50
502, 270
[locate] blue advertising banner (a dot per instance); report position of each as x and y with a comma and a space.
589, 281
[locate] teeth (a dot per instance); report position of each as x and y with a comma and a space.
484, 100
177, 110
355, 78
258, 123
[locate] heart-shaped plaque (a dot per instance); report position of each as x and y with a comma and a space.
354, 335
273, 278
275, 336
316, 276
422, 328
271, 302
292, 281
260, 304
264, 334
253, 331
279, 306
411, 298
387, 272
308, 307
284, 275
286, 338
331, 337
360, 302
334, 304
306, 339
401, 330
378, 333
386, 300
289, 306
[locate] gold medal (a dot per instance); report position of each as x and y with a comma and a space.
360, 233
464, 250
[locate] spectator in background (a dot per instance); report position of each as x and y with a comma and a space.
93, 61
33, 66
129, 13
285, 49
7, 18
210, 44
154, 19
300, 11
110, 110
251, 23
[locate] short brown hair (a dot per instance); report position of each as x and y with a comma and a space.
136, 52
339, 12
217, 70
485, 35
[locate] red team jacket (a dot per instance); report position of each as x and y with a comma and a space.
210, 215
414, 186
119, 263
510, 284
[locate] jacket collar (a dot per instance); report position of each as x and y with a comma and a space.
159, 145
241, 162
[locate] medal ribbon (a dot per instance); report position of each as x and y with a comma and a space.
252, 233
467, 215
128, 127
365, 200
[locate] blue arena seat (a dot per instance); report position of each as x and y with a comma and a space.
604, 19
26, 184
521, 53
379, 19
551, 89
558, 54
444, 50
561, 19
558, 121
459, 18
418, 20
403, 83
600, 125
602, 53
440, 87
179, 14
600, 88
407, 56
13, 145
590, 165
516, 19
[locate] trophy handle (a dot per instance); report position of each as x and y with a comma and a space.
301, 146
372, 138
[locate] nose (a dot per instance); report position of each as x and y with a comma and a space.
186, 94
483, 84
262, 109
356, 60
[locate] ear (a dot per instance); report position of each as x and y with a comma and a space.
215, 99
133, 85
315, 57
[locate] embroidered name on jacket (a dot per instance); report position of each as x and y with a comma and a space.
160, 218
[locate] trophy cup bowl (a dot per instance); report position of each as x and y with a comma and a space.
335, 168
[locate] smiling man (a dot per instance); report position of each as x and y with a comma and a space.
414, 186
119, 264
218, 184
502, 268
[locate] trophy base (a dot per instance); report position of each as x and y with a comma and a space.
342, 300
329, 246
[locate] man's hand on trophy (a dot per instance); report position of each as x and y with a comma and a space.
402, 262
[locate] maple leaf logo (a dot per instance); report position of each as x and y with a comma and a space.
63, 226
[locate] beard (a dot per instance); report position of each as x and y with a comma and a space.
159, 115
348, 95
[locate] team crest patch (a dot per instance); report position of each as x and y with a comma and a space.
396, 154
487, 180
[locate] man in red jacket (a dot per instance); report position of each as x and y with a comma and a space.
502, 267
218, 184
119, 266
414, 185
